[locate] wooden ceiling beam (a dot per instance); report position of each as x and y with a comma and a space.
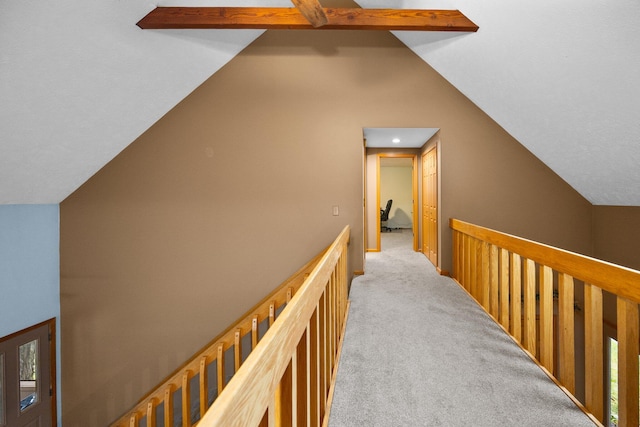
312, 10
291, 18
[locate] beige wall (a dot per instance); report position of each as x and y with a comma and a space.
232, 191
616, 234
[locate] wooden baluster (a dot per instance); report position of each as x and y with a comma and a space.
313, 370
338, 314
151, 413
337, 303
472, 266
476, 270
345, 265
294, 387
186, 400
301, 380
546, 317
470, 256
516, 297
566, 332
330, 326
322, 352
204, 386
467, 262
504, 288
455, 257
485, 274
271, 412
459, 253
494, 281
329, 290
593, 354
283, 405
530, 306
326, 347
237, 349
454, 254
336, 317
133, 420
220, 368
463, 260
341, 301
345, 297
628, 350
254, 332
168, 406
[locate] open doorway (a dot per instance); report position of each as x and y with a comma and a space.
394, 144
397, 196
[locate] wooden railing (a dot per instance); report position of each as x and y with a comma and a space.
279, 377
527, 287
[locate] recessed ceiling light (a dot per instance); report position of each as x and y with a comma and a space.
396, 140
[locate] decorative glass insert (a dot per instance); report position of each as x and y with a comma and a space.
29, 374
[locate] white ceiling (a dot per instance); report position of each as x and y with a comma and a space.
405, 137
79, 82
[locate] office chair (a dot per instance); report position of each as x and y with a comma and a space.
384, 216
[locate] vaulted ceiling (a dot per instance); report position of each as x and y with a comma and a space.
79, 81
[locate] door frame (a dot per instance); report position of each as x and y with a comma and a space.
51, 324
414, 192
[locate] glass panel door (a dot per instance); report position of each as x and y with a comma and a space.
26, 377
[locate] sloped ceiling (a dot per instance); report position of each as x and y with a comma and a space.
79, 82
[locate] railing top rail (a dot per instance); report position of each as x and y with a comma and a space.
610, 277
249, 392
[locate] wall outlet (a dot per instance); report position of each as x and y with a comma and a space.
336, 211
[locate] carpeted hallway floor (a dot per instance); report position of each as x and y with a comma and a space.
418, 351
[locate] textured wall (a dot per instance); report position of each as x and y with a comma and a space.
232, 191
29, 266
616, 234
